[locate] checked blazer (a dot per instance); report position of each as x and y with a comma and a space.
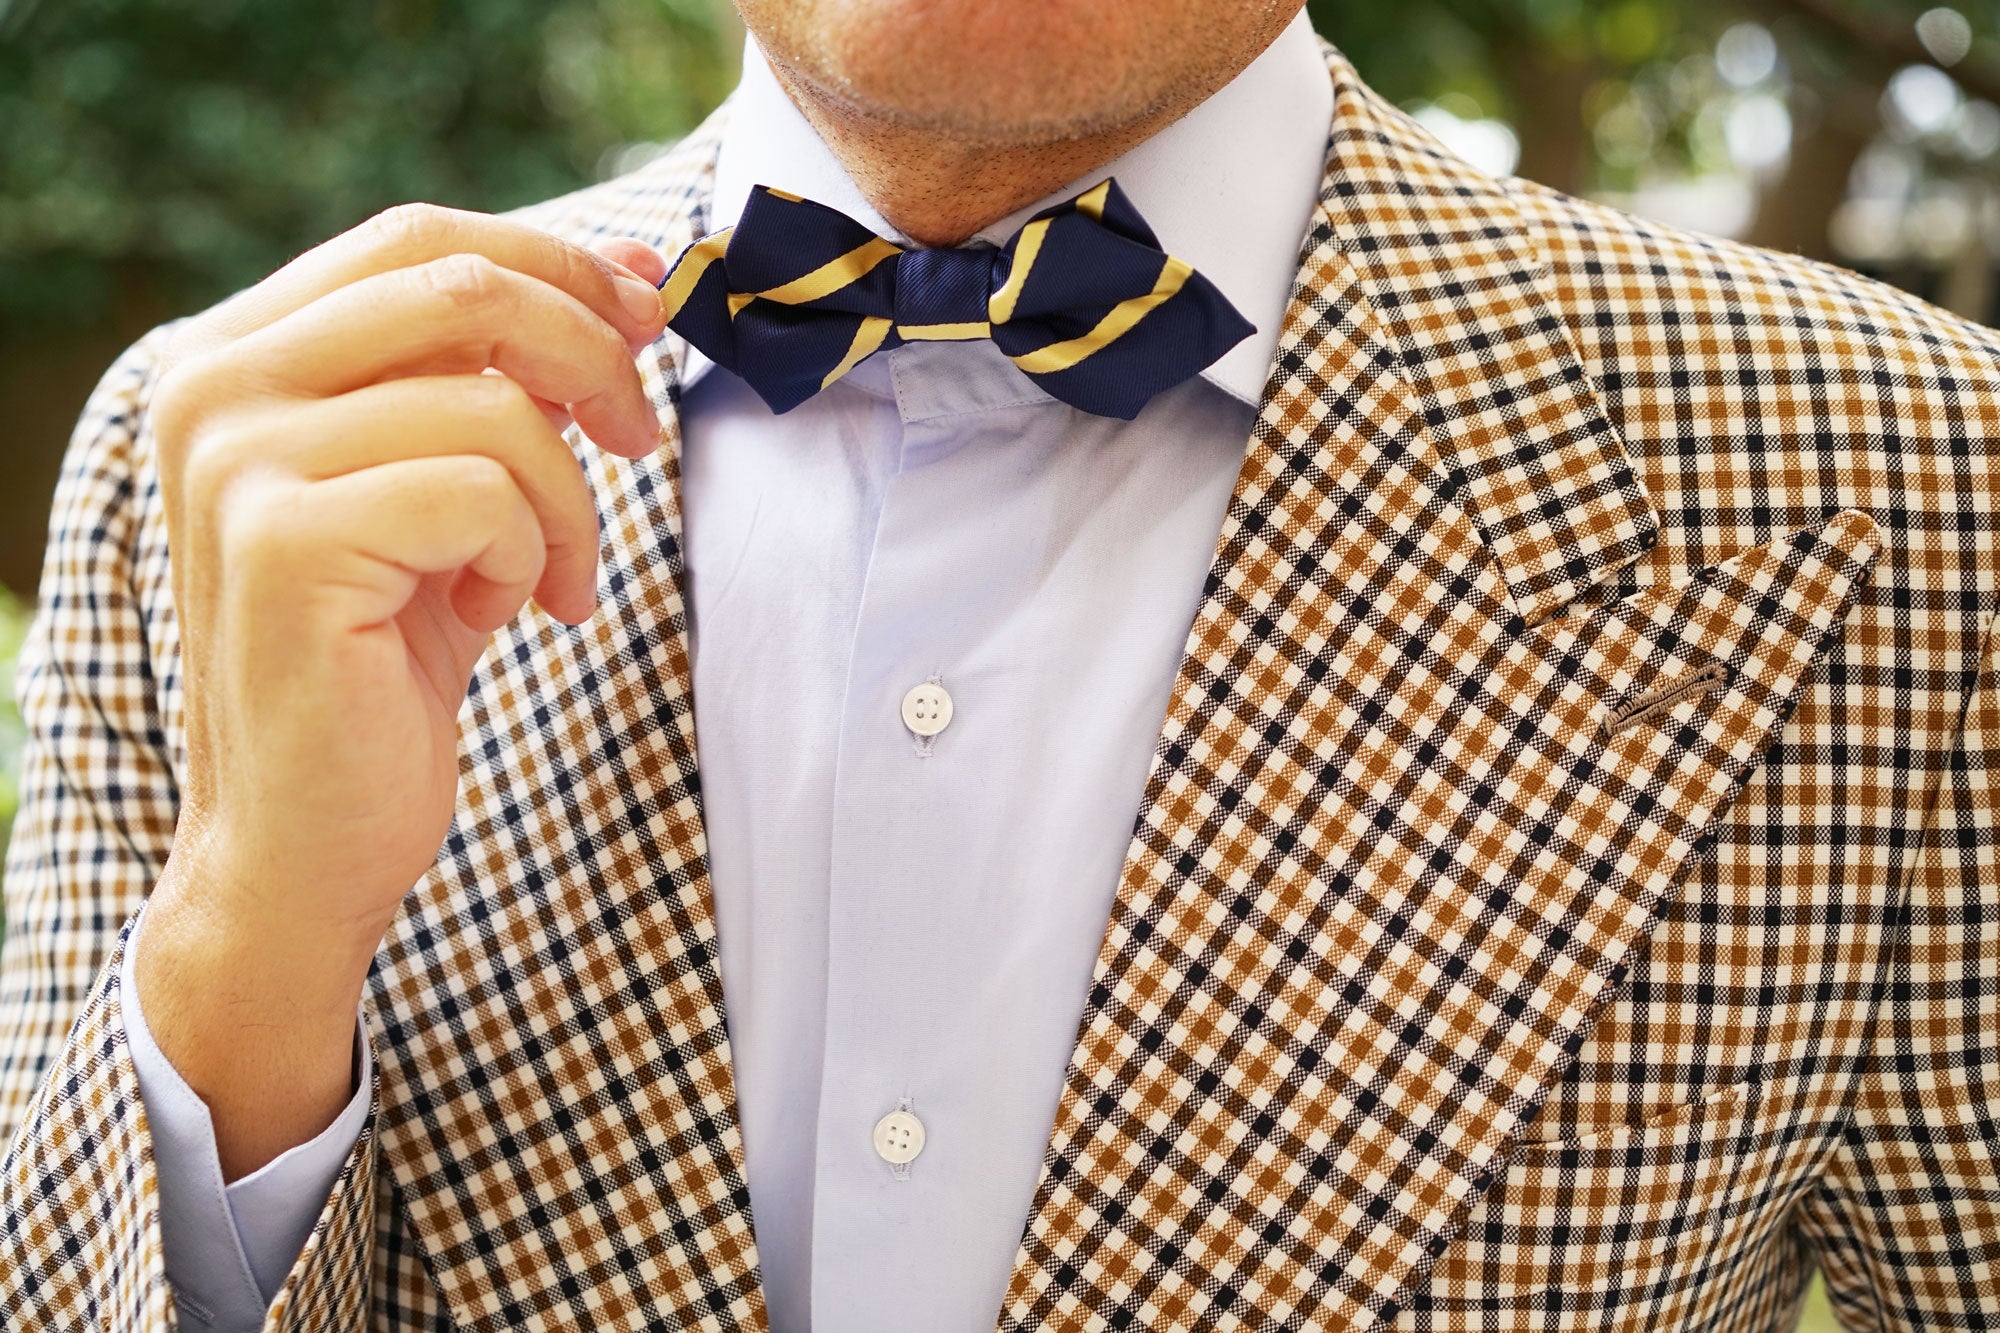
1564, 897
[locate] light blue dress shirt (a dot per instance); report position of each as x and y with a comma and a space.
905, 923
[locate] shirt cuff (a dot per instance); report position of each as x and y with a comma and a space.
229, 1247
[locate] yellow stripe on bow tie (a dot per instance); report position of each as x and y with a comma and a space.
874, 328
831, 276
1091, 202
1120, 320
946, 333
688, 272
1000, 305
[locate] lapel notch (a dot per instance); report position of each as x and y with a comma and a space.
1446, 264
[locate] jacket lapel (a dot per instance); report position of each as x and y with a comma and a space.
1404, 831
557, 1101
1446, 268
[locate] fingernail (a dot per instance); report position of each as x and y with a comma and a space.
640, 299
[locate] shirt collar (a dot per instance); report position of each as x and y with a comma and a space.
1230, 187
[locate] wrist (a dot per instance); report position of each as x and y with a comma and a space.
233, 896
208, 920
258, 1015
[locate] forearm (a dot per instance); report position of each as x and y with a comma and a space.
229, 1248
256, 1014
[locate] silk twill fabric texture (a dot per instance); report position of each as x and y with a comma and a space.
1082, 299
1428, 999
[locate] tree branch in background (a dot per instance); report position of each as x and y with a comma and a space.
1885, 44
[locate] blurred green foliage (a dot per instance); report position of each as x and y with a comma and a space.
1522, 60
1640, 101
195, 145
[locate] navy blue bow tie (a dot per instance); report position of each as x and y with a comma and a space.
1082, 299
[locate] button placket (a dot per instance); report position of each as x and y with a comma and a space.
893, 856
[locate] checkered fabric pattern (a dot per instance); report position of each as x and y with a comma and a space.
1564, 896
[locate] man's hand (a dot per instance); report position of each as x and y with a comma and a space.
364, 476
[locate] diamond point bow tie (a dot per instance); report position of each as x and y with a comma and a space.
1082, 299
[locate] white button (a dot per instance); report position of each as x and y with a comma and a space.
927, 709
899, 1137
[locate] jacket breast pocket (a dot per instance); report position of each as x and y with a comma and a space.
1598, 1229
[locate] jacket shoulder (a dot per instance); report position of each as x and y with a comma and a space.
1757, 392
1625, 284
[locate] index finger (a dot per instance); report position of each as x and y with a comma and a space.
412, 234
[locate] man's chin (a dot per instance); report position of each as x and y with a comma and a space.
980, 72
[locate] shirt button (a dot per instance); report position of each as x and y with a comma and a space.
927, 709
899, 1137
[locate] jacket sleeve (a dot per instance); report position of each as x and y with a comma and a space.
1906, 1219
79, 1194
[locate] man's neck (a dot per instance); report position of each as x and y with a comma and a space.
939, 191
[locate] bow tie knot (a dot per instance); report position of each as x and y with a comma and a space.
944, 295
1082, 299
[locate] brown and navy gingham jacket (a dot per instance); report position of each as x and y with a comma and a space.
1565, 896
